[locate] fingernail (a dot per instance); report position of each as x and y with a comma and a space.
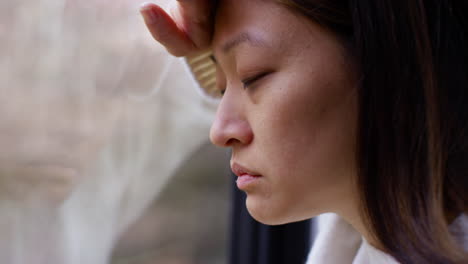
148, 13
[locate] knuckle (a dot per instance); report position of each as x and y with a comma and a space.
201, 32
200, 22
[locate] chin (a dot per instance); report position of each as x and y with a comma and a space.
268, 214
274, 213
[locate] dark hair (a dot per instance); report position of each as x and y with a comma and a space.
413, 117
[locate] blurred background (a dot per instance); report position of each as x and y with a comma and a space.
104, 150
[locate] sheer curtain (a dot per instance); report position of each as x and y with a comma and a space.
95, 120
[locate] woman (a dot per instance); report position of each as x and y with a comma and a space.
358, 108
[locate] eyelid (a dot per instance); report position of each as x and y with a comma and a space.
250, 80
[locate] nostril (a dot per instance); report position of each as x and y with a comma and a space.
231, 142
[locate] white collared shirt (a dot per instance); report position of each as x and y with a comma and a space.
338, 242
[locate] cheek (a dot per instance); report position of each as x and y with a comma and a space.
307, 132
302, 114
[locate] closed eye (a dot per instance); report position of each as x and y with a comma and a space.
249, 81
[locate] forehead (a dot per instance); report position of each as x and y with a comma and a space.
283, 33
252, 21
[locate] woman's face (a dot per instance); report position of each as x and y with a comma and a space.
289, 111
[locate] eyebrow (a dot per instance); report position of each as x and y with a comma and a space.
244, 37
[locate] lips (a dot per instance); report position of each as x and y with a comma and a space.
241, 171
247, 179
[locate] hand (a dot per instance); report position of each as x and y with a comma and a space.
187, 31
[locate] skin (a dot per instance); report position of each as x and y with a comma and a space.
188, 30
295, 125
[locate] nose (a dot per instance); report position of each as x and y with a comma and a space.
230, 126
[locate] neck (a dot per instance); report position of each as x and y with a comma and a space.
351, 213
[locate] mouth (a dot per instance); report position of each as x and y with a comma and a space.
246, 178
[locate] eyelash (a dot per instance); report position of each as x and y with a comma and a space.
248, 81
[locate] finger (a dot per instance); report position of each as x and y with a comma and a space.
196, 18
164, 30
